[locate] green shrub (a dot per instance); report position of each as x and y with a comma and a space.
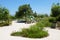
16, 33
58, 18
44, 23
52, 19
32, 32
5, 23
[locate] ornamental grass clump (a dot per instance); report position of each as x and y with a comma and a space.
32, 32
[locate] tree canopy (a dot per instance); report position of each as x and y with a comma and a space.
24, 10
55, 10
4, 14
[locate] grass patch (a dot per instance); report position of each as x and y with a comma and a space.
32, 32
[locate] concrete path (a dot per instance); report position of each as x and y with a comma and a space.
7, 30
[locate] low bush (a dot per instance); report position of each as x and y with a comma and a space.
44, 23
32, 32
5, 24
52, 19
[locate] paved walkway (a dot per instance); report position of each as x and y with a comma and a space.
7, 30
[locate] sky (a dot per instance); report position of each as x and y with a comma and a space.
40, 6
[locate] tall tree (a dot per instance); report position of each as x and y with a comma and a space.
35, 14
55, 10
4, 14
23, 10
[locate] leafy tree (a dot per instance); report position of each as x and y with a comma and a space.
46, 15
42, 15
55, 10
1, 9
23, 11
12, 17
35, 14
4, 14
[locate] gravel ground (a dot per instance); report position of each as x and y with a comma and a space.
5, 32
